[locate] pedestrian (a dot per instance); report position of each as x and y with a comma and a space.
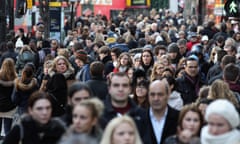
7, 77
223, 120
121, 130
37, 126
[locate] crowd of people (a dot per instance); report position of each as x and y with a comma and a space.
146, 79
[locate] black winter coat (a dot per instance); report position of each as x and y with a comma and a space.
99, 87
188, 89
6, 90
138, 114
170, 127
34, 133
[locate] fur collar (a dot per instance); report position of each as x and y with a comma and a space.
25, 87
67, 74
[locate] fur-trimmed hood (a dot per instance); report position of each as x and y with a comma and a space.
67, 74
25, 87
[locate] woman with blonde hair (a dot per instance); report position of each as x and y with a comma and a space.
166, 60
220, 90
157, 71
63, 66
121, 130
85, 117
7, 76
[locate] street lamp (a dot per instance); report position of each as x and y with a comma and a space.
72, 16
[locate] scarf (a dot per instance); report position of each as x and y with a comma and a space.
230, 137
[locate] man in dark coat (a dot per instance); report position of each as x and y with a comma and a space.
97, 83
105, 57
190, 83
119, 103
162, 119
10, 53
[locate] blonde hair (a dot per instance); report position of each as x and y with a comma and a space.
69, 66
111, 127
220, 90
94, 105
154, 74
214, 53
63, 52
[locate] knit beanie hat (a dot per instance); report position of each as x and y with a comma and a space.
225, 109
173, 48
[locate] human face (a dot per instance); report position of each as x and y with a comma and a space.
202, 107
137, 62
83, 120
124, 134
160, 53
79, 96
172, 55
102, 55
158, 96
124, 60
146, 58
192, 68
88, 43
114, 56
54, 44
217, 125
141, 91
193, 39
119, 89
229, 51
191, 121
159, 69
182, 49
165, 61
41, 111
79, 63
130, 73
61, 66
